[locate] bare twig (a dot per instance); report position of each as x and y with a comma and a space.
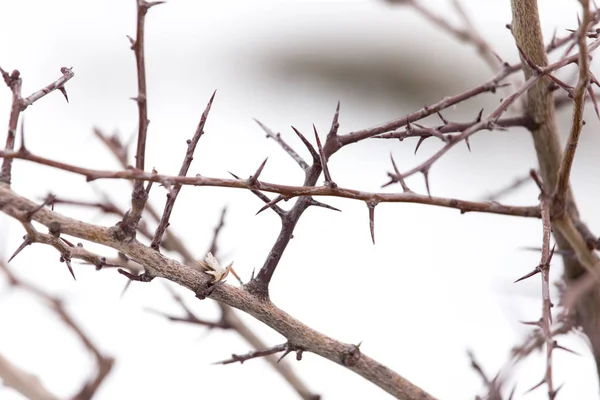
579, 93
185, 166
516, 184
13, 81
286, 347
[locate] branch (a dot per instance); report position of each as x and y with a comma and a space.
260, 308
286, 347
187, 161
23, 382
289, 191
565, 219
579, 93
139, 195
14, 82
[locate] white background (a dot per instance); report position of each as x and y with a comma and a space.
436, 283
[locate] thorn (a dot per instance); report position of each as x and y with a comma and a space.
309, 146
26, 242
328, 181
558, 346
314, 202
127, 285
551, 254
594, 102
48, 200
537, 323
270, 204
23, 149
468, 144
399, 176
67, 260
335, 124
425, 173
444, 120
537, 385
143, 277
478, 119
254, 178
529, 275
421, 140
64, 92
234, 175
371, 204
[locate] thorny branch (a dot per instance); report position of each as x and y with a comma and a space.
260, 308
285, 347
139, 195
14, 82
579, 94
254, 297
543, 268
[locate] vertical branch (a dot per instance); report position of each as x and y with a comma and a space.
577, 122
540, 101
540, 107
259, 285
139, 195
13, 81
185, 166
546, 322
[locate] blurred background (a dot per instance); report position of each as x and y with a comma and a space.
435, 285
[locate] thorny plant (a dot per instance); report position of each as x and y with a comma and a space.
536, 98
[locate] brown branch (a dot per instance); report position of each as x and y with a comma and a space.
489, 86
286, 347
467, 35
139, 195
565, 219
286, 147
450, 127
259, 307
187, 161
489, 122
579, 93
14, 82
289, 191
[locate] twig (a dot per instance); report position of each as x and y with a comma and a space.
14, 82
489, 86
187, 161
286, 147
469, 35
289, 191
579, 94
516, 184
256, 354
